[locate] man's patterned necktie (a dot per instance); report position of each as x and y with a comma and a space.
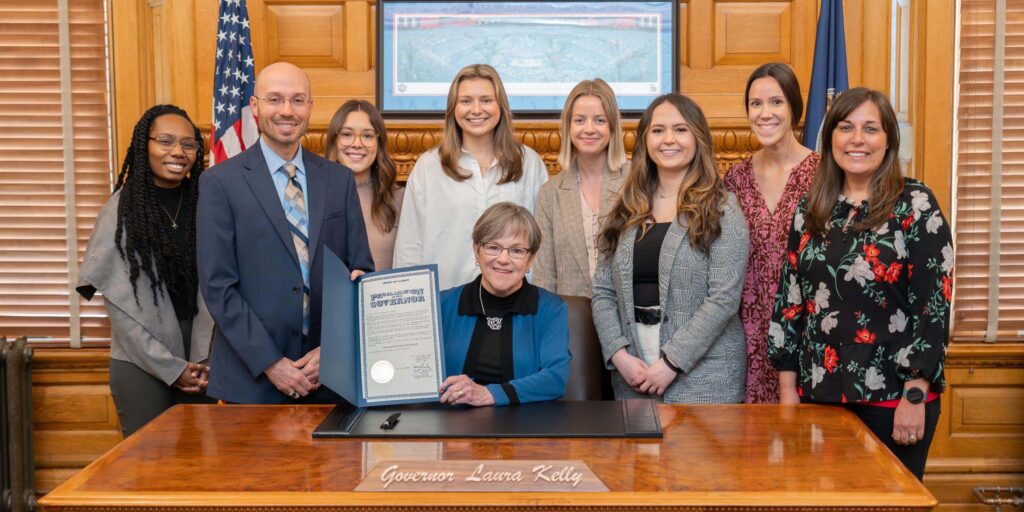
298, 224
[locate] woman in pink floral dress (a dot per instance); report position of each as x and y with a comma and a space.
769, 185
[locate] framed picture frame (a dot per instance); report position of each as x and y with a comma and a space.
540, 49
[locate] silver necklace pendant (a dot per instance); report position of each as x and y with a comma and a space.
494, 323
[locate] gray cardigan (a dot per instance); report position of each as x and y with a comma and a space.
562, 264
701, 331
146, 335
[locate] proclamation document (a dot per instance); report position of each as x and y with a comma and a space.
400, 348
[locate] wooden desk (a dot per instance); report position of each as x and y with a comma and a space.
711, 457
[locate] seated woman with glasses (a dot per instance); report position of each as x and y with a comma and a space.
356, 138
142, 258
506, 340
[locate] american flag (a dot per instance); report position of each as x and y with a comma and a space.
234, 127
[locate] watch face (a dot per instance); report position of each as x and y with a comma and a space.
915, 395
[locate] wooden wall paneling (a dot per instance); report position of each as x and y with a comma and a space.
683, 21
204, 30
74, 420
722, 42
159, 50
746, 33
306, 35
933, 25
867, 43
360, 35
131, 57
980, 437
181, 52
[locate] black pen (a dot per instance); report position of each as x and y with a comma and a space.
390, 422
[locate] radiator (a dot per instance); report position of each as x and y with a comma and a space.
16, 396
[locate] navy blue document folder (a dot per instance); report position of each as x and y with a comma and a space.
370, 381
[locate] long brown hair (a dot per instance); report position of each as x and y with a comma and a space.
508, 152
701, 194
599, 89
886, 184
382, 171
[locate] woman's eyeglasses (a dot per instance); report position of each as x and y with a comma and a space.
349, 138
169, 141
516, 253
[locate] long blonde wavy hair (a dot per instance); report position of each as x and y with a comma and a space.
508, 152
701, 194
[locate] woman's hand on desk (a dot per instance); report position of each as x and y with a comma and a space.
460, 389
632, 368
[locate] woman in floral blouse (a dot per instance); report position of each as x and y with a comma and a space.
862, 312
768, 186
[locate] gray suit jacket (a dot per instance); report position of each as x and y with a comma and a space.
701, 331
140, 333
562, 265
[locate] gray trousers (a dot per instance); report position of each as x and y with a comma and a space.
140, 397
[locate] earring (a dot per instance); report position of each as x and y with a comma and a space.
476, 263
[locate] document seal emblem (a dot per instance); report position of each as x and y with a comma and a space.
382, 372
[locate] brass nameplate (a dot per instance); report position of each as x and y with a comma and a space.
482, 476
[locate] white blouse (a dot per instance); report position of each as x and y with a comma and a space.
438, 213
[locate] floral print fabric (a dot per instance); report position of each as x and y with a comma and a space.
858, 313
769, 231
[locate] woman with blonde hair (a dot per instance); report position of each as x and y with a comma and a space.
477, 164
674, 224
357, 139
573, 203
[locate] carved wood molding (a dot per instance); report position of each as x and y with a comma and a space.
407, 140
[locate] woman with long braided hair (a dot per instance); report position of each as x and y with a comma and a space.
142, 258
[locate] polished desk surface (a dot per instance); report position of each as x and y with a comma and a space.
730, 457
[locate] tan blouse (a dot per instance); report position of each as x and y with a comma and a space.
382, 245
591, 228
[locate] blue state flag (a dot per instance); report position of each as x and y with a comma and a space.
828, 77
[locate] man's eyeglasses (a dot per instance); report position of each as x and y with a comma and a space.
298, 102
516, 253
169, 141
349, 138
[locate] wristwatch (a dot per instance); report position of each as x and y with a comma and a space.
914, 395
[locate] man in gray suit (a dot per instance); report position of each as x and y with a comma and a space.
264, 218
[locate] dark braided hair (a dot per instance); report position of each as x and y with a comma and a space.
141, 241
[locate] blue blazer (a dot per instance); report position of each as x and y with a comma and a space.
540, 347
249, 271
